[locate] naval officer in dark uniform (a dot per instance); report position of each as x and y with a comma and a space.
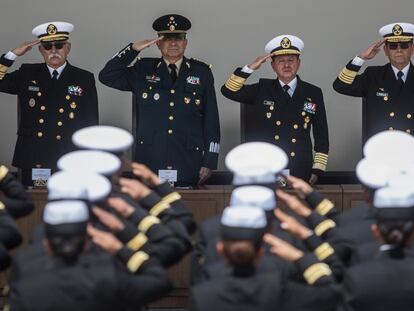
287, 108
55, 99
178, 130
389, 89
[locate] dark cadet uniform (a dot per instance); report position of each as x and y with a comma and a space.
177, 122
388, 101
16, 200
284, 121
50, 111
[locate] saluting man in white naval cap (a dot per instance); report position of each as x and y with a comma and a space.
387, 89
55, 99
282, 111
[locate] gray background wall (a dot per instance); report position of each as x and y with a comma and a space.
226, 33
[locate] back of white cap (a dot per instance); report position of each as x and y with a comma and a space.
102, 137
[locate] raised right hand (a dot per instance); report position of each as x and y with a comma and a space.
372, 50
259, 61
24, 47
140, 45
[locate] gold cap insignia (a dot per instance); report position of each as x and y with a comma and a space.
172, 27
285, 43
51, 29
397, 30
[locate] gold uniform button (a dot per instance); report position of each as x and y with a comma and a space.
42, 108
60, 123
392, 114
73, 105
409, 116
171, 118
71, 115
295, 126
39, 94
67, 97
292, 154
277, 137
61, 110
172, 104
408, 131
293, 140
41, 121
170, 131
271, 108
172, 91
303, 113
278, 123
58, 137
197, 148
141, 142
39, 134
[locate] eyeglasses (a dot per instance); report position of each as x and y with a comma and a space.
403, 45
48, 46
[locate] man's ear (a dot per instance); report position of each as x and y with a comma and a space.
220, 248
375, 231
47, 247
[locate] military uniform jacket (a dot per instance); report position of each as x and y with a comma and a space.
388, 104
286, 122
178, 123
381, 284
245, 289
50, 111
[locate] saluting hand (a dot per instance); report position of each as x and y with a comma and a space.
301, 187
140, 45
259, 61
282, 248
293, 203
372, 50
134, 188
142, 171
24, 47
292, 225
105, 240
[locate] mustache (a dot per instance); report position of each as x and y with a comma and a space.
54, 55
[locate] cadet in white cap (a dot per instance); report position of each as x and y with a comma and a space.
388, 105
286, 109
96, 161
256, 163
241, 238
205, 255
385, 280
102, 137
55, 99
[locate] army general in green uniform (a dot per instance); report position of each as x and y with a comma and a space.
178, 130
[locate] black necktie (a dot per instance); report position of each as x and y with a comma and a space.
173, 72
400, 74
286, 88
55, 75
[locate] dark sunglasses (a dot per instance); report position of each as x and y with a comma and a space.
403, 45
57, 45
